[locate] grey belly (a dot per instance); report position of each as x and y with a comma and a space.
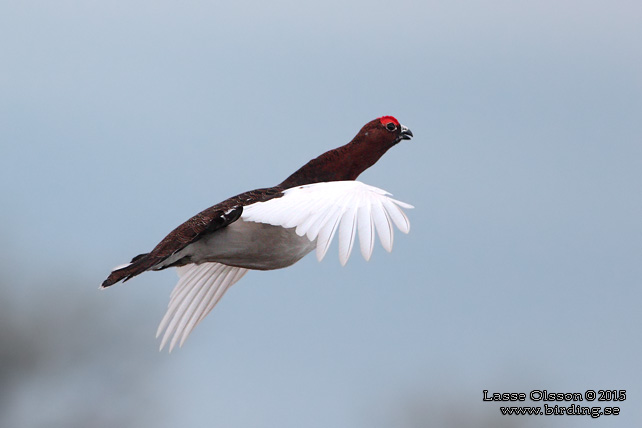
249, 245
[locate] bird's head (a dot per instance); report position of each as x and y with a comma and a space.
385, 130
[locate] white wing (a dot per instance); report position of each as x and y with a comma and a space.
199, 289
319, 210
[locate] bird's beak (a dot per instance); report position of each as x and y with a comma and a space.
405, 134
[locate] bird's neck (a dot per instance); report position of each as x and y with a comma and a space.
341, 164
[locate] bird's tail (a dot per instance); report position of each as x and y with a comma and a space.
138, 265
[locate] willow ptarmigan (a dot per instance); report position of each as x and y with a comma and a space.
274, 227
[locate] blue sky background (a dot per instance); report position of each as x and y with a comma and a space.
522, 270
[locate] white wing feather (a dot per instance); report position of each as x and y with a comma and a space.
366, 231
347, 233
319, 210
198, 290
315, 210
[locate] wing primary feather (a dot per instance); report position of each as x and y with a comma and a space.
185, 274
194, 316
180, 311
330, 213
219, 293
189, 311
202, 310
325, 237
401, 204
198, 290
347, 232
398, 217
383, 226
178, 295
305, 228
366, 231
177, 304
180, 292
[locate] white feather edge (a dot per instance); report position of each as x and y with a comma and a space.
320, 210
199, 289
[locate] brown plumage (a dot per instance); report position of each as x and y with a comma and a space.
203, 223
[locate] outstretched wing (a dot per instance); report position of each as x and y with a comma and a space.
199, 289
319, 210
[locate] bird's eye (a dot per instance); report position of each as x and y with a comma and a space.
391, 126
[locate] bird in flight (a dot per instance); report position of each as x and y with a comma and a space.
274, 227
